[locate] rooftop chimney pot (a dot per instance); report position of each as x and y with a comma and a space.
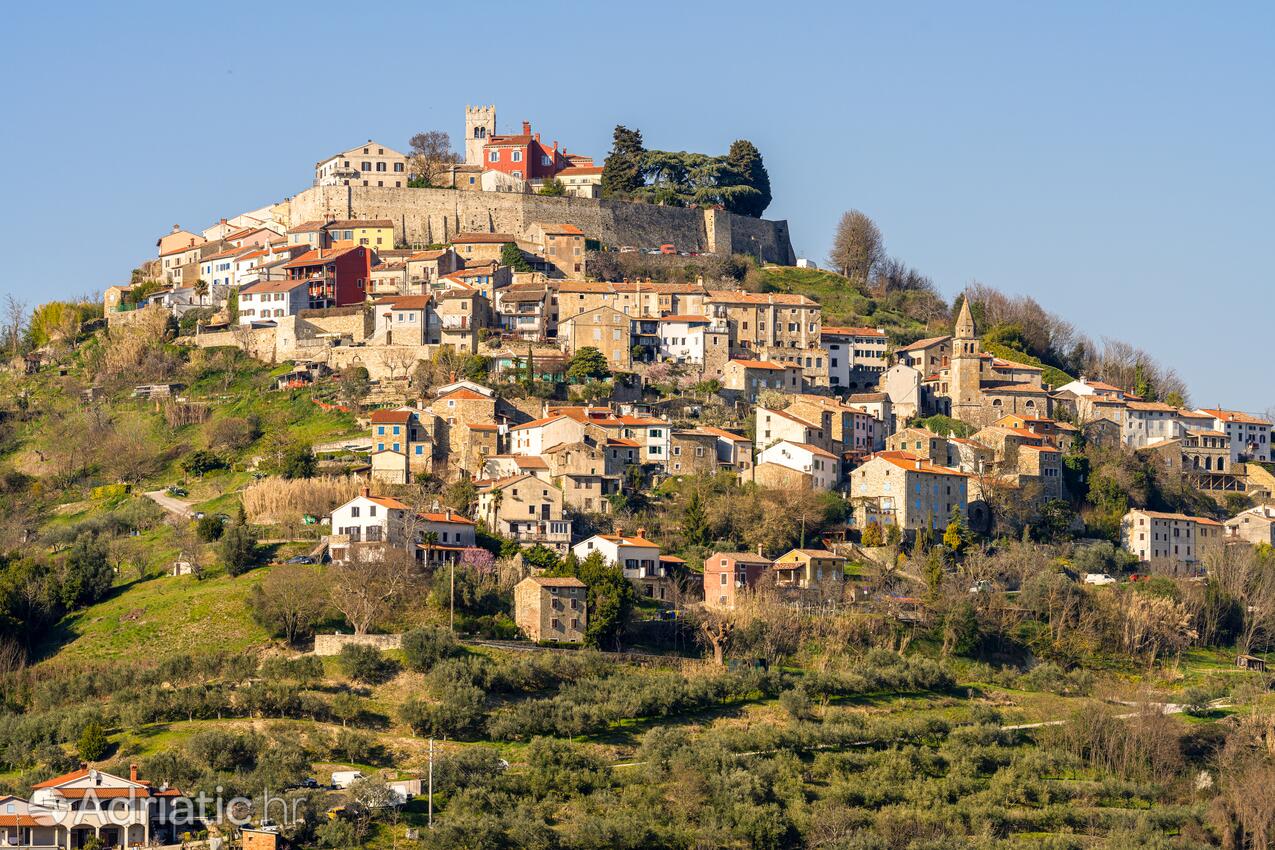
526, 128
365, 492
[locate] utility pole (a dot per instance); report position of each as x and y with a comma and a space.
431, 783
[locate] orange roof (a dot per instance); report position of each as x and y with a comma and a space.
536, 423
464, 394
1150, 406
850, 331
739, 296
392, 416
481, 238
619, 441
406, 302
450, 516
722, 433
319, 256
924, 343
1233, 416
625, 540
428, 255
273, 286
758, 364
482, 426
471, 272
1178, 517
913, 463
66, 777
560, 229
580, 171
686, 318
388, 502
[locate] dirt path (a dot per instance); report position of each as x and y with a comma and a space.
168, 503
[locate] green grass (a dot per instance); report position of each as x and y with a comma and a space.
162, 617
842, 302
1052, 377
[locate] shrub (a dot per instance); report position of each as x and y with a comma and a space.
92, 744
200, 462
423, 648
366, 664
235, 433
210, 528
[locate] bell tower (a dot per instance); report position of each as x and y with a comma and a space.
480, 125
965, 372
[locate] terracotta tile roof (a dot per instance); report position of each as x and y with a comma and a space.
829, 330
531, 461
464, 394
1233, 416
472, 272
625, 540
428, 255
481, 239
1177, 517
711, 562
726, 434
388, 502
730, 296
536, 423
319, 257
407, 302
556, 581
580, 171
867, 398
685, 318
924, 343
811, 553
308, 227
813, 449
994, 388
1150, 406
272, 286
392, 416
350, 224
482, 426
446, 516
909, 462
759, 364
620, 441
559, 229
59, 780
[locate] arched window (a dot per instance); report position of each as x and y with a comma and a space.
996, 402
1031, 404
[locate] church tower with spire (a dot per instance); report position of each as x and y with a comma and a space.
965, 373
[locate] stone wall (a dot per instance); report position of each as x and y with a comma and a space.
331, 644
435, 215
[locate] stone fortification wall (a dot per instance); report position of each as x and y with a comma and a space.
435, 215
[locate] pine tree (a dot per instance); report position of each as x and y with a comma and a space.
92, 744
695, 520
623, 173
745, 167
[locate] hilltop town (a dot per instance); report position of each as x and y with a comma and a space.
648, 520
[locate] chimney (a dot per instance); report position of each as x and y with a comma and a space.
537, 138
365, 492
641, 532
555, 144
918, 463
223, 221
176, 227
619, 532
132, 772
526, 128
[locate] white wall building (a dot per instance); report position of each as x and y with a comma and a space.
821, 465
1250, 436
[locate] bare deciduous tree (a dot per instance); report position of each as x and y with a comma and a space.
366, 592
295, 597
857, 247
430, 154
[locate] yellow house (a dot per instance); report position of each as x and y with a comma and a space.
374, 233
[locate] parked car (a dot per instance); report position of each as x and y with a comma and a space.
667, 248
1099, 579
177, 491
300, 559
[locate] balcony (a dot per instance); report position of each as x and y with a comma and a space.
454, 323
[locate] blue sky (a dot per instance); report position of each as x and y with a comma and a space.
1115, 161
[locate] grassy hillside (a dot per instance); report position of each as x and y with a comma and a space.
1053, 377
842, 302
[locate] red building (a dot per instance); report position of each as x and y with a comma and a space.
337, 276
524, 157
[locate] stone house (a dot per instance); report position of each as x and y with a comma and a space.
766, 320
692, 452
604, 328
638, 557
728, 575
750, 377
552, 609
1157, 537
461, 312
526, 509
481, 247
927, 356
586, 473
734, 451
561, 248
903, 489
404, 444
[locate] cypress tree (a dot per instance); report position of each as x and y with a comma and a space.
623, 171
745, 168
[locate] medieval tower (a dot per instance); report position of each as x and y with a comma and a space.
480, 125
965, 374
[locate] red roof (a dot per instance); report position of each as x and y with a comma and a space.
319, 257
758, 364
481, 238
850, 331
454, 518
392, 416
464, 394
66, 777
912, 463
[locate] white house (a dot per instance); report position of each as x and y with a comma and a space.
1250, 436
682, 338
855, 355
69, 810
384, 521
269, 300
774, 426
1147, 422
637, 556
218, 270
533, 438
821, 465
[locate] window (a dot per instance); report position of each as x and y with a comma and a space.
380, 166
398, 167
354, 511
494, 156
367, 166
545, 159
516, 156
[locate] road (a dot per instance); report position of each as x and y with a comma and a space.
168, 503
